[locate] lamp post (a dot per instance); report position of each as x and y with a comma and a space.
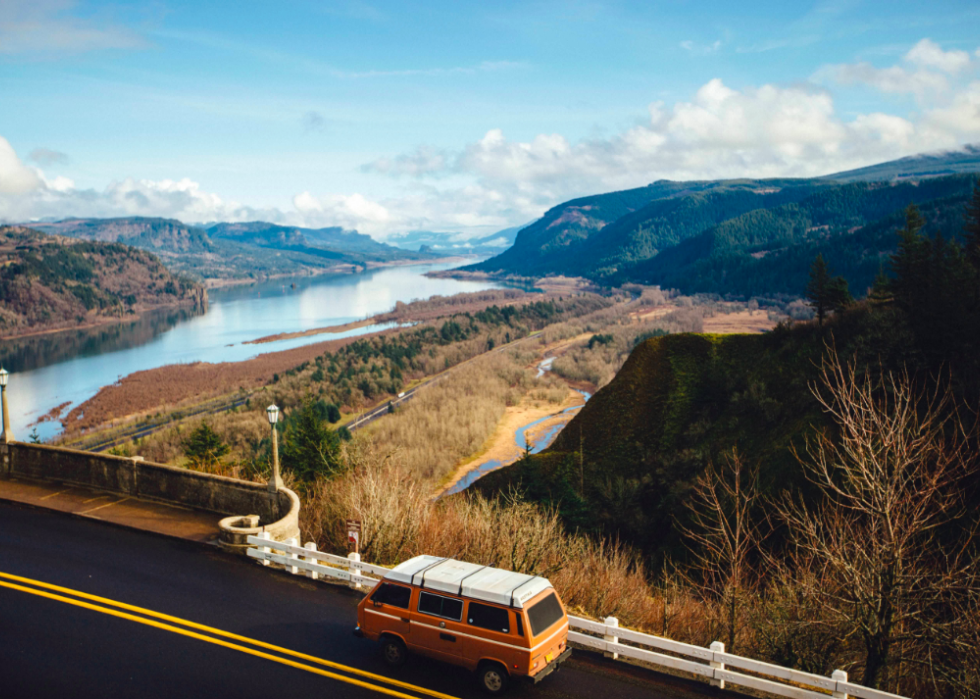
275, 483
7, 437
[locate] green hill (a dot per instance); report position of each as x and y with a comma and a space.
52, 283
768, 251
737, 237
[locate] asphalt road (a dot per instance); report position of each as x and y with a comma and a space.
55, 642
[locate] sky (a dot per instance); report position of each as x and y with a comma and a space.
457, 116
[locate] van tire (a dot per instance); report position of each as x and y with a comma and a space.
493, 678
393, 651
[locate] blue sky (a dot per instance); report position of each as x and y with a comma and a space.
457, 116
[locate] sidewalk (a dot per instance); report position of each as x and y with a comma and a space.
122, 510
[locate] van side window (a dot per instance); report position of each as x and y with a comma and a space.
520, 624
393, 595
437, 605
483, 616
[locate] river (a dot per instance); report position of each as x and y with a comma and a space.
71, 366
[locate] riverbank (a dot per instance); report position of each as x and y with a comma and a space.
314, 331
166, 388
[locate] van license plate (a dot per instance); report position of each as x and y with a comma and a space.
548, 658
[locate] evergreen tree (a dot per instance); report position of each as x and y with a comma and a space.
816, 290
825, 293
910, 262
880, 293
838, 295
204, 447
310, 448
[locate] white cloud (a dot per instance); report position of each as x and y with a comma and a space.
769, 131
959, 121
925, 74
929, 55
35, 26
894, 79
15, 177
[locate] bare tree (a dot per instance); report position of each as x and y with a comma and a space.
879, 539
724, 532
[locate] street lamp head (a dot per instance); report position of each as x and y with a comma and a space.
273, 412
3, 376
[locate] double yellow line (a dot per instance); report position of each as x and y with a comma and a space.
148, 617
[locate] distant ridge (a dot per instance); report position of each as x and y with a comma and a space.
951, 162
222, 251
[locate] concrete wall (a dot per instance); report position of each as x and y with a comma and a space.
151, 481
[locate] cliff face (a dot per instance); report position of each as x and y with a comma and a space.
54, 283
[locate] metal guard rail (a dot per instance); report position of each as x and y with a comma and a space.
712, 663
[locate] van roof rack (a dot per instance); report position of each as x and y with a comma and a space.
469, 580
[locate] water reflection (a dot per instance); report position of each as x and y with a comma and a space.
42, 350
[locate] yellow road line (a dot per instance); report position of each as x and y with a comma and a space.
217, 632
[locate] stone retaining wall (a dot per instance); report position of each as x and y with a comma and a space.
278, 513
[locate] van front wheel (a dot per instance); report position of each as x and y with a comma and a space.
493, 678
393, 651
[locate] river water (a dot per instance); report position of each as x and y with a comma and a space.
70, 367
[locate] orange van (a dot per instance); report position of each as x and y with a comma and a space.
501, 624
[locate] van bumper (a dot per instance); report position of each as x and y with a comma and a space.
358, 632
550, 667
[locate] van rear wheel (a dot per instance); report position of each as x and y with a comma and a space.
493, 678
393, 651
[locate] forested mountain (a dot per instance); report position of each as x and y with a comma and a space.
235, 250
740, 237
50, 282
769, 251
274, 235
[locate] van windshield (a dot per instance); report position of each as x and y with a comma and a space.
543, 615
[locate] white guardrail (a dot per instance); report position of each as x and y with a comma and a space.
712, 664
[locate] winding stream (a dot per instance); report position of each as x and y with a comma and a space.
521, 437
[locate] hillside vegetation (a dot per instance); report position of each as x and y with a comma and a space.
51, 283
740, 238
810, 491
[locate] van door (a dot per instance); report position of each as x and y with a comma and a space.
435, 626
387, 610
491, 633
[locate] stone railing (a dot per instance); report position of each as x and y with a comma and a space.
276, 513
